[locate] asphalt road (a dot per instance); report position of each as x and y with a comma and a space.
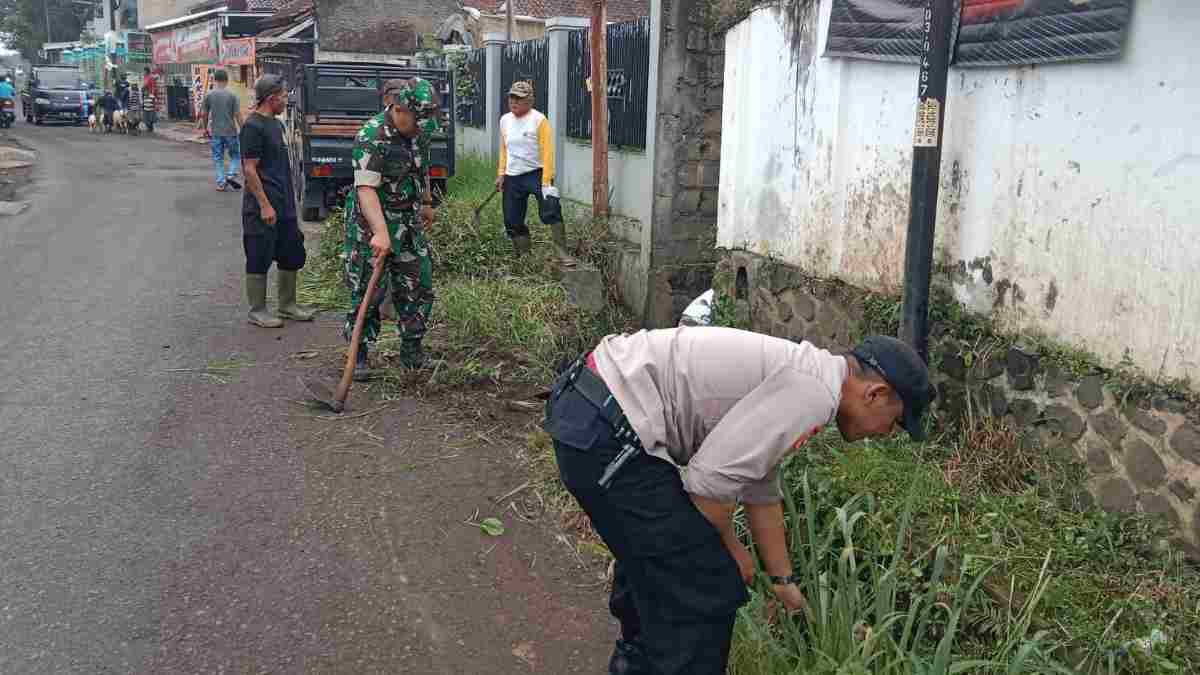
157, 519
104, 281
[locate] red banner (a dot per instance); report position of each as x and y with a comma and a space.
190, 44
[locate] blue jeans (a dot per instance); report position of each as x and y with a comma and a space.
219, 145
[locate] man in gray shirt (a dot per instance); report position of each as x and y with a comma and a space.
729, 405
222, 109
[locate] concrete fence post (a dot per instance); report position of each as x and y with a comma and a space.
557, 33
494, 44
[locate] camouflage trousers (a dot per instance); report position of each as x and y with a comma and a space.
408, 272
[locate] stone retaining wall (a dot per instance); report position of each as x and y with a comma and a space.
1140, 456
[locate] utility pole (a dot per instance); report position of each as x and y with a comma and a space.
599, 48
46, 5
508, 10
927, 162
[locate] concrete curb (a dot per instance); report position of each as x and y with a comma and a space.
15, 157
12, 208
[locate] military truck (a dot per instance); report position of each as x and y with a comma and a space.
55, 93
329, 105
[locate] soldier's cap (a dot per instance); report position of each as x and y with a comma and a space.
521, 90
416, 94
902, 368
267, 86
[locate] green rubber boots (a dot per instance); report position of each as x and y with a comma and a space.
256, 296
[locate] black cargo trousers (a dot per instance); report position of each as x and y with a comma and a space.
676, 588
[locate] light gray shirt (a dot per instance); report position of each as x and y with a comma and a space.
222, 108
727, 404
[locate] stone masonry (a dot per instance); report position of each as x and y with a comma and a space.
1141, 457
687, 160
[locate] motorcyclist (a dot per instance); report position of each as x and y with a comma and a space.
8, 94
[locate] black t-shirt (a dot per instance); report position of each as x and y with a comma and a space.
262, 139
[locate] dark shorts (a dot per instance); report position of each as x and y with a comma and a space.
677, 587
282, 244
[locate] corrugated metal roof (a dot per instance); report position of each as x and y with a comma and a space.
185, 19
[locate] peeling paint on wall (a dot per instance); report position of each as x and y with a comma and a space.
1083, 203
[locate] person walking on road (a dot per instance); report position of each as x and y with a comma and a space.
527, 169
222, 108
387, 215
729, 405
270, 228
105, 107
149, 86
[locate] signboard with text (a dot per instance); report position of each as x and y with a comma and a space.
188, 44
237, 51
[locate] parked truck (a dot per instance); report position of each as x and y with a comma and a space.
329, 105
55, 93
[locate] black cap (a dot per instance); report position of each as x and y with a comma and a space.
266, 86
904, 370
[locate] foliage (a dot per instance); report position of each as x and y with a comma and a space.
23, 23
1092, 589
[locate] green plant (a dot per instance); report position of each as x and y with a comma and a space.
876, 612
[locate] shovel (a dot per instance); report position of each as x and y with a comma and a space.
479, 209
320, 393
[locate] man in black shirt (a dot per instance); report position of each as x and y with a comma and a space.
270, 230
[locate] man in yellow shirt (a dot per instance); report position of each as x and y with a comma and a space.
527, 168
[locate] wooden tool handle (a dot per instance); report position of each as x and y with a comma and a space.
343, 390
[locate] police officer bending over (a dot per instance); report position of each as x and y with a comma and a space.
729, 405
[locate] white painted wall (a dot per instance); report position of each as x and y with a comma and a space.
472, 141
628, 179
1080, 182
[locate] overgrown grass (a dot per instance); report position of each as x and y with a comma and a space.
497, 318
1090, 587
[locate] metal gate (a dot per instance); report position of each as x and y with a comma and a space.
527, 61
179, 102
628, 84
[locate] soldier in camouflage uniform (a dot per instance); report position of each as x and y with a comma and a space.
386, 215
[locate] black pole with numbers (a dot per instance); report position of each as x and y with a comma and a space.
927, 160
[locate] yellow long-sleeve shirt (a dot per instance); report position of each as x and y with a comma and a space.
526, 144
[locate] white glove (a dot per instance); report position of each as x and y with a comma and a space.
549, 191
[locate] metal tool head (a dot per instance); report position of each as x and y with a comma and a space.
321, 396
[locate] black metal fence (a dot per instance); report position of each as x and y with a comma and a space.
527, 61
628, 83
470, 82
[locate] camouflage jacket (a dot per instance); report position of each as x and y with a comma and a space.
395, 166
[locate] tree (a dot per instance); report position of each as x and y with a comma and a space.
23, 23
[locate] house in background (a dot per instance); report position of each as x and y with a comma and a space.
529, 16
